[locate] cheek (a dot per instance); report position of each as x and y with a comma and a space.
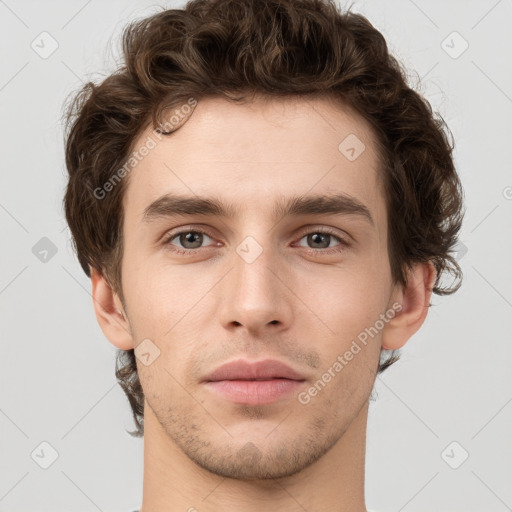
156, 295
346, 299
165, 303
349, 303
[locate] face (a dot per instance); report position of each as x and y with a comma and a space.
256, 279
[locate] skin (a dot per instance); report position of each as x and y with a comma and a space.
203, 452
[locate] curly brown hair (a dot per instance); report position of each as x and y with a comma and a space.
275, 48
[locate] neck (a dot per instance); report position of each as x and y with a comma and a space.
173, 482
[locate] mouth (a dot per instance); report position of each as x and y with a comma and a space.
254, 383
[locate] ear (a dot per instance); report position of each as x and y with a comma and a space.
110, 312
414, 298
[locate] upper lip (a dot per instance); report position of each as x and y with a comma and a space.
256, 370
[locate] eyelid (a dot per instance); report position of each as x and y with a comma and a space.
315, 228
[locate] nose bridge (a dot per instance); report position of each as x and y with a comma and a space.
253, 263
254, 296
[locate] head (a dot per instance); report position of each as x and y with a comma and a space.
269, 109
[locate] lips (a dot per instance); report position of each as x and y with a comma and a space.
268, 369
254, 384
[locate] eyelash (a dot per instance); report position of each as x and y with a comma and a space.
315, 252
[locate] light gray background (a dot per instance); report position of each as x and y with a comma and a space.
57, 369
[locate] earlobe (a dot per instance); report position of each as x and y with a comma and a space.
414, 299
109, 312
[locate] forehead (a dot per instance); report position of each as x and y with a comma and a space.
257, 151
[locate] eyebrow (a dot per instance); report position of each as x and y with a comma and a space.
172, 205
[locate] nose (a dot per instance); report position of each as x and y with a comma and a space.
254, 295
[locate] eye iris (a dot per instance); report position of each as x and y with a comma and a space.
186, 238
316, 238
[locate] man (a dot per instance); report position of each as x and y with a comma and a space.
264, 208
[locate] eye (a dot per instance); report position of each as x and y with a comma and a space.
321, 240
189, 240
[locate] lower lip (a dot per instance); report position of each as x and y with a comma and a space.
254, 392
